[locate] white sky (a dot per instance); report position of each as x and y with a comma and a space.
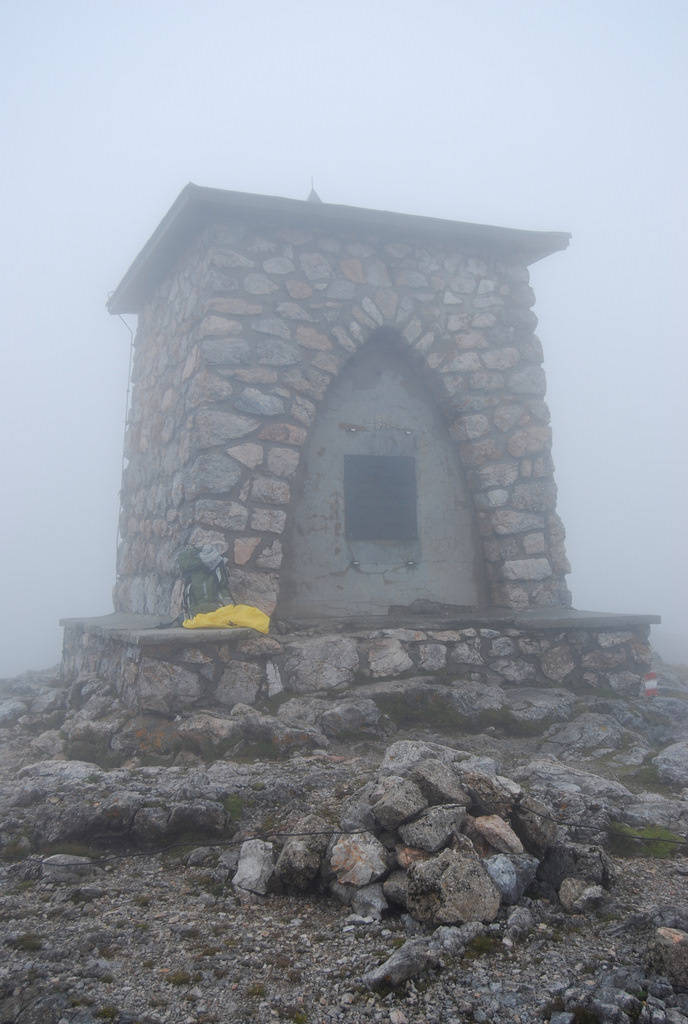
562, 115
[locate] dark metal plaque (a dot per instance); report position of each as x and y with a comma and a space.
380, 497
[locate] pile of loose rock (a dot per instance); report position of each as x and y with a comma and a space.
440, 837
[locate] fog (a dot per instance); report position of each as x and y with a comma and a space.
561, 115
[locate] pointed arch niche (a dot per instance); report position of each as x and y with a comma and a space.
380, 514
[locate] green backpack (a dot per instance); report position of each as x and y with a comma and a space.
206, 582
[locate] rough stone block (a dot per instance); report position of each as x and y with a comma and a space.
358, 860
240, 684
451, 888
320, 663
165, 688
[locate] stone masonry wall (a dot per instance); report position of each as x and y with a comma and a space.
168, 676
234, 354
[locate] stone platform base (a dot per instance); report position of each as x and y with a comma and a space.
169, 671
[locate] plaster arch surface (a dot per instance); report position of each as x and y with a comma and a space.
380, 416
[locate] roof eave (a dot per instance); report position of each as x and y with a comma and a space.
196, 206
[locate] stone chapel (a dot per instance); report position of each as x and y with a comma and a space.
347, 403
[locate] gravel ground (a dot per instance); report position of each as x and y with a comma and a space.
149, 939
162, 938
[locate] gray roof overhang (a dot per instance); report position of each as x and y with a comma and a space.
196, 207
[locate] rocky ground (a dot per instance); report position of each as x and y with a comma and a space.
127, 892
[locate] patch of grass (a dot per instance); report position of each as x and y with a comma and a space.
258, 786
211, 885
651, 841
234, 806
269, 825
142, 901
256, 989
481, 945
29, 942
107, 1013
72, 848
16, 849
297, 1015
647, 777
179, 978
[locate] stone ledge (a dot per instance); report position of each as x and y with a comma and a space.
146, 630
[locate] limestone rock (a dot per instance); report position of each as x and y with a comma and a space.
434, 829
512, 874
401, 756
11, 711
438, 782
414, 958
200, 856
451, 941
400, 803
672, 764
49, 744
201, 816
575, 860
395, 888
65, 869
533, 706
472, 699
532, 821
358, 860
520, 924
577, 896
588, 798
350, 716
299, 859
165, 688
150, 824
208, 730
284, 736
368, 901
357, 812
490, 794
320, 663
451, 888
387, 658
498, 833
255, 866
668, 955
587, 732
